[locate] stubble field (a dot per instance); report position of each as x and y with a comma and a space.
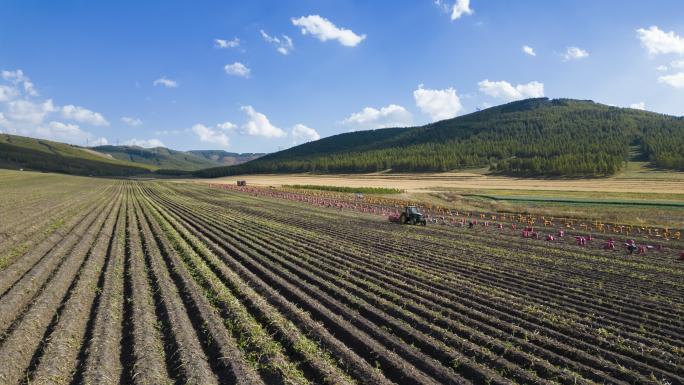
153, 283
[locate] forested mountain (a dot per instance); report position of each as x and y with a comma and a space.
227, 158
46, 155
158, 157
534, 136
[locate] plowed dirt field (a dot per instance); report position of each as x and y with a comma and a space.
111, 282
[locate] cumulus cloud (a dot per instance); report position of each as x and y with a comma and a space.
305, 133
440, 104
506, 91
457, 10
132, 122
226, 126
8, 93
461, 7
237, 69
284, 45
101, 141
84, 116
168, 83
18, 76
24, 116
574, 53
144, 143
676, 64
657, 41
370, 118
63, 132
226, 44
24, 111
529, 50
637, 106
14, 76
676, 81
259, 125
661, 68
324, 30
211, 135
28, 87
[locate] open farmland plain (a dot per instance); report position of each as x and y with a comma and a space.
167, 283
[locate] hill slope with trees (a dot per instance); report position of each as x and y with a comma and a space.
534, 136
159, 157
45, 155
227, 158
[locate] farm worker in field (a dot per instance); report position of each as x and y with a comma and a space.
631, 248
471, 224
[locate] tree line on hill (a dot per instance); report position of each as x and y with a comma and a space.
40, 160
534, 136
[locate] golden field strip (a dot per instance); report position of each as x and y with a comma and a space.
421, 182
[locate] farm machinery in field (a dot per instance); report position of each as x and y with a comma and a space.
411, 215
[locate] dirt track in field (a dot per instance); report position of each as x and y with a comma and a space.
151, 283
421, 182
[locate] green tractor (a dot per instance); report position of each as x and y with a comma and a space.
413, 216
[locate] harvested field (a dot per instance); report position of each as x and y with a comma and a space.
169, 283
651, 182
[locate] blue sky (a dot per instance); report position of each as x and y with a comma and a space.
258, 76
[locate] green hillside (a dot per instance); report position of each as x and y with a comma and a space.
46, 155
225, 157
159, 157
533, 136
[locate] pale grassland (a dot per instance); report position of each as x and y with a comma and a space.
460, 189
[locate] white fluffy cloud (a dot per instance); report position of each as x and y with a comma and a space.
14, 76
657, 41
168, 83
307, 134
8, 93
131, 121
100, 142
440, 104
226, 44
284, 46
506, 91
226, 126
529, 50
676, 81
237, 69
661, 68
83, 116
211, 135
370, 118
259, 125
324, 30
144, 143
461, 7
24, 116
574, 53
18, 76
27, 112
637, 106
676, 64
61, 131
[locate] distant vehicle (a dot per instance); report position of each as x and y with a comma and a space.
359, 196
21, 169
242, 183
